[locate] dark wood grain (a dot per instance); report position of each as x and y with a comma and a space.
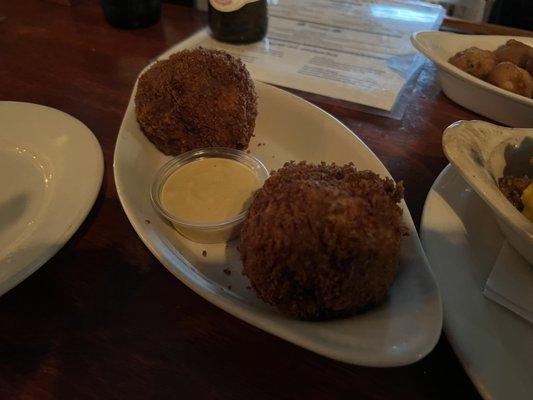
463, 26
103, 319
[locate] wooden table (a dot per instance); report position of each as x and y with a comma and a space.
103, 319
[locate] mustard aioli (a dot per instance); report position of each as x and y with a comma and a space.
527, 201
209, 189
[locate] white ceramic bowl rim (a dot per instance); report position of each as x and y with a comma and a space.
417, 39
490, 193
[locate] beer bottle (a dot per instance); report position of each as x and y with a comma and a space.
238, 21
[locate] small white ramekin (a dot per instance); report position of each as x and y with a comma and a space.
212, 231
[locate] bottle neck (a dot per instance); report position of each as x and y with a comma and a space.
245, 25
229, 5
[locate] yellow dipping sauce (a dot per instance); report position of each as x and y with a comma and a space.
527, 201
209, 189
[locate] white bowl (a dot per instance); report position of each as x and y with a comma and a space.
467, 90
479, 150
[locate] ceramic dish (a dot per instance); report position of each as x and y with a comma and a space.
51, 168
213, 231
470, 92
462, 241
400, 331
483, 153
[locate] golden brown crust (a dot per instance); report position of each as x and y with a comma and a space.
515, 52
508, 76
323, 241
509, 67
474, 61
197, 98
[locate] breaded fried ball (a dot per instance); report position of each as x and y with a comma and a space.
323, 241
508, 76
197, 98
515, 52
474, 61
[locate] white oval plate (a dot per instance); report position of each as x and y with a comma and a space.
399, 332
467, 90
51, 168
462, 241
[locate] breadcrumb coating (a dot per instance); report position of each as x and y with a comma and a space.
197, 98
474, 61
323, 241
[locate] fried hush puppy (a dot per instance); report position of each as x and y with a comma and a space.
474, 61
197, 98
509, 67
508, 76
515, 52
323, 241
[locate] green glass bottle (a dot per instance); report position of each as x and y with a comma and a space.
238, 21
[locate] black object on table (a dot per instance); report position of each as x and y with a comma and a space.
131, 14
246, 24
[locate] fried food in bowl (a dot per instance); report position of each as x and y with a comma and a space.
197, 98
515, 52
323, 241
503, 68
513, 188
508, 76
474, 61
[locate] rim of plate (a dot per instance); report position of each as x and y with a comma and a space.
75, 222
476, 380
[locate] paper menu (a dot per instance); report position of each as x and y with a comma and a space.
354, 50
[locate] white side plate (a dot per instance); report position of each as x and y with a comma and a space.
51, 168
462, 241
399, 332
467, 90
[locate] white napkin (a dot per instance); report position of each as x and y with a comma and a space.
510, 283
